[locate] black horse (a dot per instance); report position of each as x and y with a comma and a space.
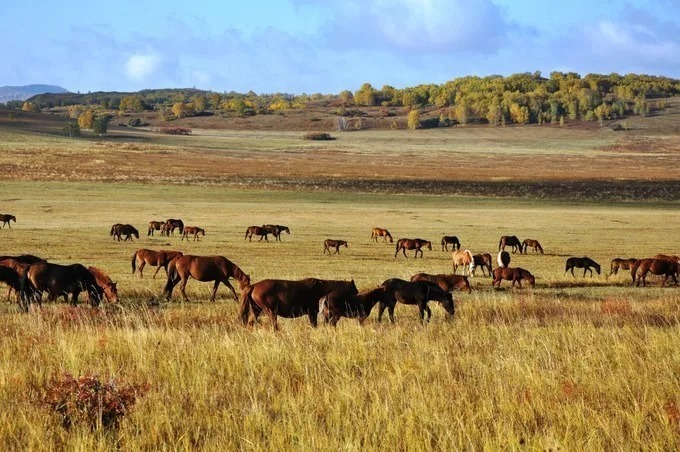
414, 293
58, 280
582, 262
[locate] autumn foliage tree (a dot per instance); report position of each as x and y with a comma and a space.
86, 119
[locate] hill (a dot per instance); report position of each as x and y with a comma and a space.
10, 93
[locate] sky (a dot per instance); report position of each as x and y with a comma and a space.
326, 46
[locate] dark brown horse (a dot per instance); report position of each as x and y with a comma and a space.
171, 224
6, 218
484, 262
412, 244
512, 241
623, 264
58, 280
667, 257
533, 244
661, 267
445, 282
105, 283
25, 258
380, 232
582, 262
450, 240
192, 230
331, 243
343, 304
414, 293
12, 280
276, 230
155, 226
516, 275
118, 230
159, 259
257, 230
204, 268
290, 299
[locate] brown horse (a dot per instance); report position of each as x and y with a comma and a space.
6, 218
666, 257
155, 226
533, 244
204, 268
380, 232
195, 230
412, 244
343, 304
276, 230
582, 262
105, 283
450, 240
484, 261
257, 230
12, 279
58, 280
623, 264
503, 259
464, 258
657, 267
414, 293
516, 275
118, 230
290, 299
171, 224
159, 259
445, 282
512, 241
330, 243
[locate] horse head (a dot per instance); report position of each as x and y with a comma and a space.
244, 281
111, 292
429, 245
529, 278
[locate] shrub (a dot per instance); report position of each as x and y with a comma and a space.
175, 130
318, 136
429, 123
413, 119
135, 122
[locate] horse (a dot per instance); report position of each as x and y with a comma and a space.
155, 226
343, 304
165, 229
159, 259
414, 293
105, 283
657, 267
276, 230
666, 257
533, 244
330, 243
516, 275
195, 230
6, 218
484, 261
257, 230
171, 224
412, 244
289, 299
58, 280
12, 279
623, 264
204, 268
503, 259
445, 282
380, 232
24, 258
582, 262
450, 240
510, 240
464, 258
118, 230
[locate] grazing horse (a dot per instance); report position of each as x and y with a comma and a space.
58, 280
171, 224
484, 261
204, 268
445, 282
533, 244
6, 218
582, 262
276, 230
12, 279
118, 230
380, 232
623, 264
412, 244
257, 230
290, 299
159, 259
195, 230
503, 259
657, 267
516, 275
450, 240
105, 283
510, 240
343, 304
464, 258
330, 243
414, 293
155, 226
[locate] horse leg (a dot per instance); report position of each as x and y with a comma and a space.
272, 319
158, 268
390, 311
182, 288
230, 287
572, 272
214, 291
141, 268
313, 316
381, 309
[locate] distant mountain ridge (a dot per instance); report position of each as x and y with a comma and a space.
9, 93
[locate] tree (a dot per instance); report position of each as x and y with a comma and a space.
181, 109
200, 103
413, 119
346, 97
131, 103
100, 125
72, 129
86, 119
365, 96
30, 106
215, 100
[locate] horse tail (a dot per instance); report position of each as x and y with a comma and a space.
247, 230
634, 269
540, 248
172, 275
389, 235
26, 291
245, 306
472, 263
500, 243
134, 262
112, 228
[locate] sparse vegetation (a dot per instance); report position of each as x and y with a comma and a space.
318, 136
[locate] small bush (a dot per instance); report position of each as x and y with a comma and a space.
429, 123
318, 136
135, 122
175, 130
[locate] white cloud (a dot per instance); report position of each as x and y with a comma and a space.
141, 66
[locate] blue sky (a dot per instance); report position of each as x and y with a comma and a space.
322, 46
